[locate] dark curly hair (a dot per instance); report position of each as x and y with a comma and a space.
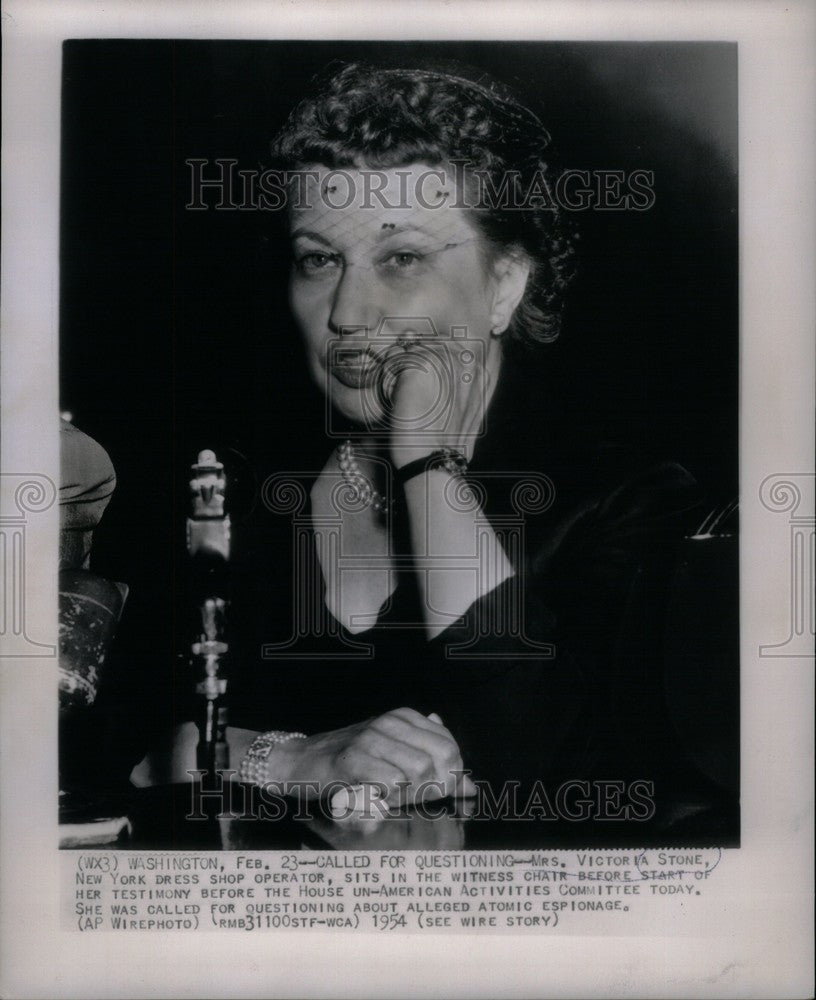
365, 116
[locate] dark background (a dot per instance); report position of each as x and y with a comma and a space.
174, 328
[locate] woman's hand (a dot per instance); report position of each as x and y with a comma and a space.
415, 758
452, 571
438, 391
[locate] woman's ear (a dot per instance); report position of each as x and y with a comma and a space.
510, 274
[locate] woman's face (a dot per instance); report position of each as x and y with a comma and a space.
397, 259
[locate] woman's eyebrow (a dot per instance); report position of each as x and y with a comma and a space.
392, 229
309, 234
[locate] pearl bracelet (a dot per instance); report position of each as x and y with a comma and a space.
253, 766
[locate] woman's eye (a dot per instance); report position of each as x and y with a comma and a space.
403, 260
311, 263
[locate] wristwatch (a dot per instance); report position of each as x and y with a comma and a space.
449, 459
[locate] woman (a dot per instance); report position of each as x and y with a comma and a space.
430, 262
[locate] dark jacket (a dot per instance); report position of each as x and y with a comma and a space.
536, 681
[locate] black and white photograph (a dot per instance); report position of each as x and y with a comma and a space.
399, 391
406, 521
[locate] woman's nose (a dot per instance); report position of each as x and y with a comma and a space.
354, 306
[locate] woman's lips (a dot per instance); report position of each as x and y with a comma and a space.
355, 369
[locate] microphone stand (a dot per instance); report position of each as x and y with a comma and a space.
208, 545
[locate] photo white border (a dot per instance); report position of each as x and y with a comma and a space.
753, 932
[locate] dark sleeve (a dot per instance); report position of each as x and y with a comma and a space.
527, 672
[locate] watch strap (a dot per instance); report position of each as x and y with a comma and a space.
449, 459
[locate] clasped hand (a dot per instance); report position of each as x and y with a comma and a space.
413, 757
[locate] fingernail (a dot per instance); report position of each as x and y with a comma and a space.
433, 717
